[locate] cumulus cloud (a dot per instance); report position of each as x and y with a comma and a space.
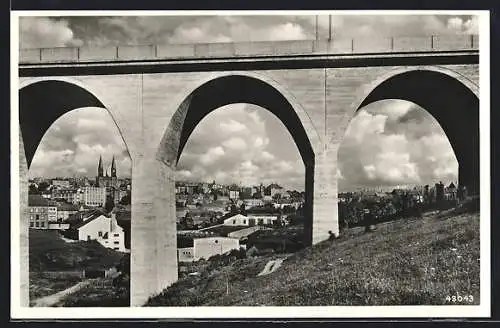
389, 148
388, 143
39, 32
73, 144
102, 31
248, 155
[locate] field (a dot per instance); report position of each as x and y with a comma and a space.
409, 261
51, 254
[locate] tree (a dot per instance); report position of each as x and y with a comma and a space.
243, 209
109, 204
43, 186
33, 190
125, 200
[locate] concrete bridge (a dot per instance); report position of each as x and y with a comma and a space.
158, 94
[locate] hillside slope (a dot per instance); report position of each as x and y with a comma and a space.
48, 252
410, 261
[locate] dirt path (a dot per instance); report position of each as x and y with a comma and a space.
53, 299
271, 266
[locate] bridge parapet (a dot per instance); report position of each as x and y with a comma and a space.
358, 46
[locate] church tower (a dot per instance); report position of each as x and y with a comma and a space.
113, 168
99, 167
99, 172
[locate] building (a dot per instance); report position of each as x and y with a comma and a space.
255, 219
41, 212
61, 183
68, 195
234, 194
236, 220
274, 189
64, 211
210, 246
253, 202
103, 229
185, 254
94, 196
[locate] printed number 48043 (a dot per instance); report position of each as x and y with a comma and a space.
460, 299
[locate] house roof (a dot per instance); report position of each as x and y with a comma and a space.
37, 200
92, 217
67, 207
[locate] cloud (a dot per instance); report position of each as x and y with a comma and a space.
387, 143
390, 144
39, 32
102, 31
73, 144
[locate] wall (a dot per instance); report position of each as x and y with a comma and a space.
207, 247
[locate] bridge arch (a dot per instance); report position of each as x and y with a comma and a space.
56, 96
451, 98
220, 90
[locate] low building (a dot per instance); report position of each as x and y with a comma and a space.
59, 225
253, 202
64, 211
103, 229
236, 220
61, 183
41, 212
68, 195
208, 247
255, 219
185, 254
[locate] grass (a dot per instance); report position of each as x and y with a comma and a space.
101, 292
41, 286
405, 262
48, 252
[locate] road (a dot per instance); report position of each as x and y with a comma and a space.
53, 299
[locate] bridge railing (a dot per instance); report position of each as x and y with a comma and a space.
252, 49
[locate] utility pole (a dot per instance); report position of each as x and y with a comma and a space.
329, 27
317, 32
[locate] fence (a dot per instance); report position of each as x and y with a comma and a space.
245, 49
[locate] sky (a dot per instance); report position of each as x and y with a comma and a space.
388, 143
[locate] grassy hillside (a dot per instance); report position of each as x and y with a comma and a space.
410, 261
48, 252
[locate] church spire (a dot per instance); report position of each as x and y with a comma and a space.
99, 167
113, 167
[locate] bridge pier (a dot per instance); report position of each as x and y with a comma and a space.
153, 264
325, 209
23, 226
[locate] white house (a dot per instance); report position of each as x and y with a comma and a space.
254, 202
103, 229
185, 254
262, 219
236, 220
208, 247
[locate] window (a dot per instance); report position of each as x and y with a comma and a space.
42, 224
37, 217
234, 221
244, 221
88, 237
100, 233
32, 224
37, 224
116, 242
116, 235
116, 248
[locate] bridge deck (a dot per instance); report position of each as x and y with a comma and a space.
424, 44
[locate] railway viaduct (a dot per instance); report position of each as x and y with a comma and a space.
157, 94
